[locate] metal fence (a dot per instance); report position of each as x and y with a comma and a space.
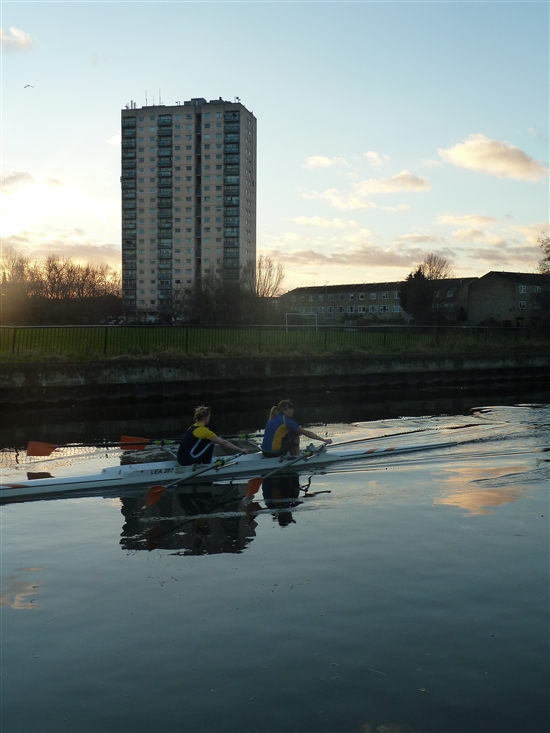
98, 341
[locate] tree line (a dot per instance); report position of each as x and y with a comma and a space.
56, 290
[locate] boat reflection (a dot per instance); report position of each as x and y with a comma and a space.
208, 519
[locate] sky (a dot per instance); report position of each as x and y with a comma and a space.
386, 130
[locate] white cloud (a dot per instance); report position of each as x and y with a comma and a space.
317, 221
403, 181
114, 139
420, 238
357, 198
12, 182
362, 255
374, 159
15, 40
533, 232
73, 243
494, 158
468, 235
399, 207
321, 161
473, 220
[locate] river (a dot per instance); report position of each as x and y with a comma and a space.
405, 594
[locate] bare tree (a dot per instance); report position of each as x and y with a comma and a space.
436, 267
418, 291
544, 264
269, 277
14, 266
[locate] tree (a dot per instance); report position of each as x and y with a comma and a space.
436, 267
56, 290
419, 290
544, 264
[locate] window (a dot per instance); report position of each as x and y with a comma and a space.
331, 297
384, 296
340, 309
373, 309
396, 294
311, 298
351, 296
311, 310
396, 309
361, 296
320, 298
522, 304
384, 309
372, 296
361, 308
330, 309
450, 293
523, 288
351, 309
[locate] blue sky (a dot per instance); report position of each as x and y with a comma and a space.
386, 130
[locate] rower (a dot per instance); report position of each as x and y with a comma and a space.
197, 445
282, 433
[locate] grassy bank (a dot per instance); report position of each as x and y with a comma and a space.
82, 343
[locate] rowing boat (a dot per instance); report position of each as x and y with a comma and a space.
227, 468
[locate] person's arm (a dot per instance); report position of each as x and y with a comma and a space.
313, 436
226, 444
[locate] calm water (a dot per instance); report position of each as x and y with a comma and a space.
413, 597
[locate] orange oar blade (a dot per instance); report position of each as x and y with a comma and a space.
35, 448
154, 494
253, 485
133, 443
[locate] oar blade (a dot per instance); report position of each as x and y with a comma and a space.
129, 441
253, 486
154, 494
35, 448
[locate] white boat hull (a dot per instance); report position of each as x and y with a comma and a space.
170, 472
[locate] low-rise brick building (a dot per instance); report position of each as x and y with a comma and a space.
509, 299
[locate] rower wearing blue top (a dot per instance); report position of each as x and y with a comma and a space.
197, 445
282, 434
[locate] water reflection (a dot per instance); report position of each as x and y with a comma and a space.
209, 519
17, 593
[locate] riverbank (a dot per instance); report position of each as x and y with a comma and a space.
147, 379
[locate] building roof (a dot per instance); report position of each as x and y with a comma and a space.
519, 278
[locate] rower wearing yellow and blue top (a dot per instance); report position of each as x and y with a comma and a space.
197, 445
282, 434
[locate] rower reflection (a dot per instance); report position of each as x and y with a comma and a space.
207, 519
282, 493
195, 520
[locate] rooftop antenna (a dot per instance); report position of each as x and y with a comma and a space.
153, 100
159, 98
237, 99
146, 97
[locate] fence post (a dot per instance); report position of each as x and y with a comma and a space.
186, 339
259, 339
105, 341
13, 344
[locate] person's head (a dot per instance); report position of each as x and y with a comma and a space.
285, 407
202, 414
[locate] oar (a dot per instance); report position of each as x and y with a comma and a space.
379, 437
142, 442
254, 483
36, 448
155, 492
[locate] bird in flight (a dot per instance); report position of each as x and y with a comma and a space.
28, 85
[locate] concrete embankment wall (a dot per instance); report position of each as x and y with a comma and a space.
126, 380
